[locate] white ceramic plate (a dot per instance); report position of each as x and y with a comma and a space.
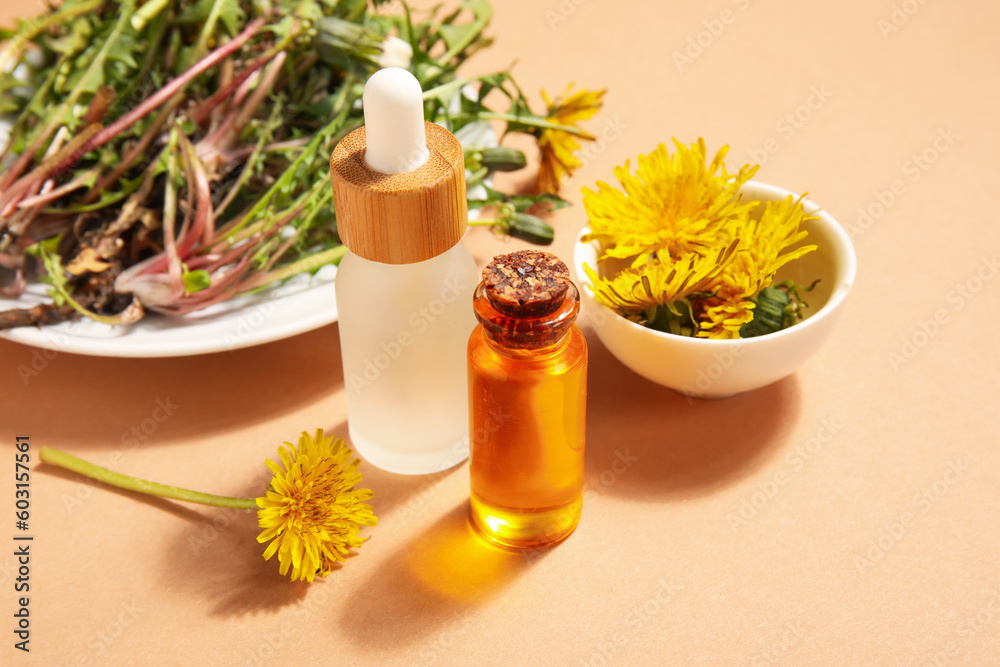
300, 304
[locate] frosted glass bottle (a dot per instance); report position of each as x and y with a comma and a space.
404, 369
404, 288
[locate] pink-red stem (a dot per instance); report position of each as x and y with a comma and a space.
153, 101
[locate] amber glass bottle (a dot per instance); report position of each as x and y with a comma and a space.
527, 402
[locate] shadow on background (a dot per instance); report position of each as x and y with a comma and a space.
392, 490
216, 556
431, 582
409, 491
644, 440
96, 401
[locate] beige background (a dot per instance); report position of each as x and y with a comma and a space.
737, 536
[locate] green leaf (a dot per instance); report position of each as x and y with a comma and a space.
196, 13
492, 197
10, 101
43, 248
48, 252
124, 48
455, 34
187, 126
352, 10
196, 281
460, 37
89, 80
232, 16
322, 108
74, 41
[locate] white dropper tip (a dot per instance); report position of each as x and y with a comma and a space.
394, 122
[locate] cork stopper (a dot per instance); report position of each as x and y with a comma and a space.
526, 283
400, 218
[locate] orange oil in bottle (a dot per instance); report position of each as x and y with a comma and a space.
527, 409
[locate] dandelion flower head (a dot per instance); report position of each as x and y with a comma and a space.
312, 513
558, 147
673, 205
763, 249
696, 255
640, 291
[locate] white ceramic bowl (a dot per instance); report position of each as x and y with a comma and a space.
717, 368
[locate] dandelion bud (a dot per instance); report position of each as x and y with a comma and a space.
530, 228
501, 158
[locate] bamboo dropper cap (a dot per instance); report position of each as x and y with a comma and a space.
399, 218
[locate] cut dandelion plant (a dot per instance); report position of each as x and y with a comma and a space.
559, 137
698, 262
311, 512
169, 156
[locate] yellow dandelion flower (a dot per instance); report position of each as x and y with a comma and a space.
558, 147
674, 204
312, 511
660, 282
723, 318
763, 245
699, 257
763, 249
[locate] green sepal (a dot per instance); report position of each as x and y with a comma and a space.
675, 318
777, 307
768, 314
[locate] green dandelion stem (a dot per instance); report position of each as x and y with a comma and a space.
476, 178
309, 263
112, 478
534, 121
